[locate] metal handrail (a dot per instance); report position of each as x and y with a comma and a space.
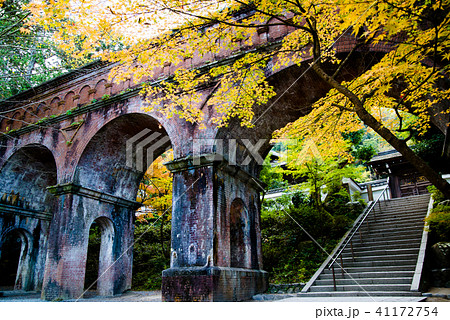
351, 234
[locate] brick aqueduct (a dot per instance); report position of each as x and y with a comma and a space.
63, 165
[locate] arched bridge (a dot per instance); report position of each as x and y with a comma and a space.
74, 150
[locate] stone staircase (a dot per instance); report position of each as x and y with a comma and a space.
384, 261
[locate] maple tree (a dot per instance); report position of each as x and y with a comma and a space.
409, 82
25, 51
155, 194
155, 190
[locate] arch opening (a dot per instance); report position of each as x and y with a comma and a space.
100, 258
15, 261
153, 226
116, 158
114, 163
25, 177
25, 204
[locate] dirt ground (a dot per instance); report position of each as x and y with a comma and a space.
152, 296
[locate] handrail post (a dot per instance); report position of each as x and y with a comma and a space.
360, 236
342, 266
334, 277
351, 247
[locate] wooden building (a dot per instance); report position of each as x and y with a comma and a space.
404, 179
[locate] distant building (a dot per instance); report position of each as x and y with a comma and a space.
404, 179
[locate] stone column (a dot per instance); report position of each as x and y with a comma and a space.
68, 240
206, 236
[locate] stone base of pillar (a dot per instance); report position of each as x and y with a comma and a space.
212, 284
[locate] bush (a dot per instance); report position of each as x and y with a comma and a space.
299, 198
341, 224
316, 222
336, 202
439, 222
436, 195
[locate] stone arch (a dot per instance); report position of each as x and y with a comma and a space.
16, 247
40, 111
68, 101
103, 185
105, 285
16, 121
277, 31
100, 89
27, 173
239, 235
29, 115
54, 105
117, 87
108, 166
84, 94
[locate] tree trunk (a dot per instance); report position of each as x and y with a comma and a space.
400, 145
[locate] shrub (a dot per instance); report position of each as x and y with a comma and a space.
316, 222
438, 222
436, 195
341, 224
336, 202
299, 198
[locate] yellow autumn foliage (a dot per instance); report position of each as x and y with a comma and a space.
143, 36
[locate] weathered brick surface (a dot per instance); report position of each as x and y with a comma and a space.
212, 284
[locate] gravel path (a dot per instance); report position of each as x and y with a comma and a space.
129, 296
438, 295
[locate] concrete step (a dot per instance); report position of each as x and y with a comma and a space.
378, 263
363, 281
379, 258
381, 243
405, 207
407, 200
397, 214
359, 252
358, 269
365, 287
416, 198
398, 210
374, 230
361, 294
418, 225
413, 221
387, 216
373, 274
392, 207
388, 237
